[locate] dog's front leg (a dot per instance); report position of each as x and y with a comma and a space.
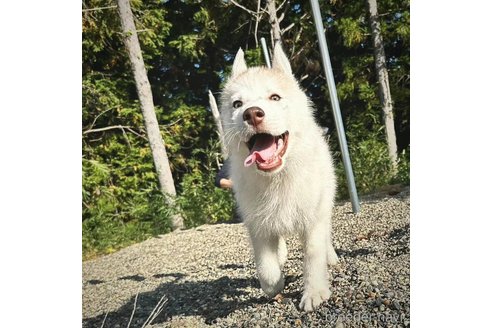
316, 286
267, 264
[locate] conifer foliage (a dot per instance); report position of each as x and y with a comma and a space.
188, 47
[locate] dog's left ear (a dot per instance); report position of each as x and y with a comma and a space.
280, 60
239, 66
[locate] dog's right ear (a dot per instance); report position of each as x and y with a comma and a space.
239, 65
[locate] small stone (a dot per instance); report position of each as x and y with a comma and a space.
279, 297
396, 305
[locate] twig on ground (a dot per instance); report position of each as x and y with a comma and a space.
104, 320
156, 311
134, 308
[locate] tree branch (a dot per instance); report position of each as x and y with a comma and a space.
243, 8
287, 28
274, 22
113, 127
281, 18
281, 5
99, 8
257, 22
239, 27
99, 115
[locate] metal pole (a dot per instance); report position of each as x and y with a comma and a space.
323, 47
265, 52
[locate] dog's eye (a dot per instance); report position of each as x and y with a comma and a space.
275, 97
237, 104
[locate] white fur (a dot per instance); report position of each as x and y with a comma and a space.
295, 198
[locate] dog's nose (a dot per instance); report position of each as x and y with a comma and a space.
253, 115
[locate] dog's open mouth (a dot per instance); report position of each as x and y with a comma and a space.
266, 150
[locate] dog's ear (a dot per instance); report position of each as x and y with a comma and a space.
280, 60
239, 65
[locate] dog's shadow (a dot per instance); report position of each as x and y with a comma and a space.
208, 299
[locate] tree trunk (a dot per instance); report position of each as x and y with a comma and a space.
157, 146
274, 22
383, 82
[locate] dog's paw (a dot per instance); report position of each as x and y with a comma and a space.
272, 288
311, 299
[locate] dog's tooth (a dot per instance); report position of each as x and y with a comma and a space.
280, 143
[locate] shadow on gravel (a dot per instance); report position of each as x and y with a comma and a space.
232, 266
400, 233
134, 278
400, 238
208, 299
177, 275
354, 253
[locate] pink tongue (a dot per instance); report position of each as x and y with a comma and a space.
263, 149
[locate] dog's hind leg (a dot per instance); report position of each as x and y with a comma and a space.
267, 264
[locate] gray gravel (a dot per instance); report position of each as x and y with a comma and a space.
206, 276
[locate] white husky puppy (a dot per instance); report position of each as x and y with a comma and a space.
284, 181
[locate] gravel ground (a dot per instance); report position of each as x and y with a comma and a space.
206, 276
